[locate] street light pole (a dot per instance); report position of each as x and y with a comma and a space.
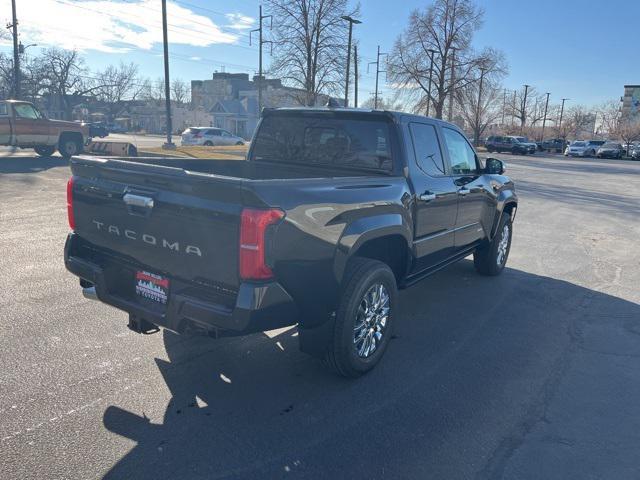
524, 108
346, 86
453, 81
16, 53
167, 91
355, 80
432, 53
476, 133
544, 121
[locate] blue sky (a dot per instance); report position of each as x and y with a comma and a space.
570, 48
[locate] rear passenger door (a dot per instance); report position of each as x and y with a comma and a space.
436, 196
213, 135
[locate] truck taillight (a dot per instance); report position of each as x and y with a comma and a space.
70, 216
253, 228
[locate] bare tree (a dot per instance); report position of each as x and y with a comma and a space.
527, 108
628, 131
446, 27
383, 104
307, 36
481, 99
609, 116
66, 81
116, 84
6, 75
179, 91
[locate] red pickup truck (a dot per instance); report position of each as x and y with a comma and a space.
23, 125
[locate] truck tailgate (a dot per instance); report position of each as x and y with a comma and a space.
163, 218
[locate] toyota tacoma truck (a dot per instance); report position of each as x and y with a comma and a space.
23, 125
330, 214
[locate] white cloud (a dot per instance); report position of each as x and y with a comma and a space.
238, 21
115, 26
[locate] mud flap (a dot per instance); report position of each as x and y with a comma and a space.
315, 340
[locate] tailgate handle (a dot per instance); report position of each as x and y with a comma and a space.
138, 201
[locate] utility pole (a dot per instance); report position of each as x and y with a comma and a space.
261, 42
355, 71
167, 91
432, 53
476, 133
346, 86
524, 108
504, 105
453, 81
16, 53
378, 72
560, 122
544, 121
513, 111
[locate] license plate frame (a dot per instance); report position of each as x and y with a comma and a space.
152, 287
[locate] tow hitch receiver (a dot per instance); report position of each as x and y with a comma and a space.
140, 325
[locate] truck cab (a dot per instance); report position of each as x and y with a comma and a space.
23, 125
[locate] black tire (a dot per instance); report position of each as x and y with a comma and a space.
485, 258
515, 151
361, 277
239, 143
489, 149
69, 146
208, 144
45, 151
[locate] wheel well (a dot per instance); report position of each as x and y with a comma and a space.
391, 249
72, 135
510, 207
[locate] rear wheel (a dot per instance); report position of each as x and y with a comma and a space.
239, 143
45, 151
208, 144
69, 146
490, 258
490, 149
364, 318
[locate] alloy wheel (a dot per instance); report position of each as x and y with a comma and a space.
503, 245
371, 320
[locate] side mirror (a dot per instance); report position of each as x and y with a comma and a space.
493, 166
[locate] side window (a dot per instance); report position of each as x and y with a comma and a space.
461, 155
24, 110
215, 133
427, 149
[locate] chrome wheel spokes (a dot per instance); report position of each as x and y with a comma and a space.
503, 245
371, 320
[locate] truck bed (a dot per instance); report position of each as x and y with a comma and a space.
256, 170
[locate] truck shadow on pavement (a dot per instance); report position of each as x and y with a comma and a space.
477, 365
33, 164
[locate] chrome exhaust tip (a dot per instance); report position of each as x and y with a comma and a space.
90, 293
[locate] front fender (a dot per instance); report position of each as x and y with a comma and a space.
506, 197
364, 229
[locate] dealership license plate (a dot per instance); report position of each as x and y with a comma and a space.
152, 287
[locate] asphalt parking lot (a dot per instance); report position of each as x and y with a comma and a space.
531, 375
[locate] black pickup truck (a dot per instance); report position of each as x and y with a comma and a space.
332, 211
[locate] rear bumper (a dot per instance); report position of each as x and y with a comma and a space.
257, 307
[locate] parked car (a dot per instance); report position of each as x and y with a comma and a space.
531, 146
611, 150
332, 212
551, 145
578, 148
209, 137
635, 153
97, 130
22, 125
506, 144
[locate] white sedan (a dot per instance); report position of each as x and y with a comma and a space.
210, 137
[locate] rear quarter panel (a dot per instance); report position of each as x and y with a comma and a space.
326, 222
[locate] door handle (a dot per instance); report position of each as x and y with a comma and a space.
138, 201
427, 196
464, 191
